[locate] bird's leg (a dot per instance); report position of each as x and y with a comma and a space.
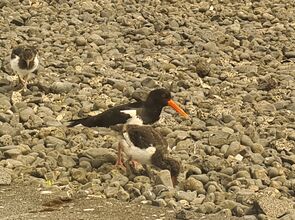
119, 160
129, 170
134, 164
149, 172
23, 82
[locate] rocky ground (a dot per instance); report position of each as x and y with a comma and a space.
229, 64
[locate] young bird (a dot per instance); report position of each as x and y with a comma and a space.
24, 61
144, 144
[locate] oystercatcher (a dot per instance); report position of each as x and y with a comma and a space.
144, 144
24, 61
148, 111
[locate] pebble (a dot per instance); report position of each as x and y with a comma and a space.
164, 178
80, 41
231, 72
233, 149
65, 161
193, 184
5, 176
61, 87
274, 207
246, 140
188, 196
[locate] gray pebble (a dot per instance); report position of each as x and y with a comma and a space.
61, 87
80, 41
5, 176
164, 178
188, 196
65, 161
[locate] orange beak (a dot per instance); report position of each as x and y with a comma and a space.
177, 108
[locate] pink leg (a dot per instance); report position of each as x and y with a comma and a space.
119, 160
134, 163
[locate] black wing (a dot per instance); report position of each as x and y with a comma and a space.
109, 117
16, 52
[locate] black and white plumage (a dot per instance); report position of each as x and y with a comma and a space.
146, 145
148, 111
24, 61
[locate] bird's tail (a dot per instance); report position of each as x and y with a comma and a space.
75, 122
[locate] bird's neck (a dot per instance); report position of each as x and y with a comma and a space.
152, 112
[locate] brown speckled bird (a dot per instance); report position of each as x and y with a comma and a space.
144, 144
24, 61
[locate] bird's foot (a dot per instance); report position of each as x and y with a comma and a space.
135, 165
119, 163
24, 84
24, 88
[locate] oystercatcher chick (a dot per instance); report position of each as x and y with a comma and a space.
148, 111
24, 61
144, 144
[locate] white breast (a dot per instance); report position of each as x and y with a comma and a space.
134, 120
141, 155
15, 67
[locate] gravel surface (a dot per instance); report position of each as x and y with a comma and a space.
229, 64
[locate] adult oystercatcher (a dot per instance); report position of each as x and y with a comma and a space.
24, 61
148, 111
144, 144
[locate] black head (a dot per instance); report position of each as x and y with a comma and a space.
29, 53
159, 97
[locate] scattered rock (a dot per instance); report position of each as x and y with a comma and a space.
274, 207
5, 176
164, 177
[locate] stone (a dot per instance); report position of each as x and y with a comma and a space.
257, 148
80, 41
79, 175
149, 83
51, 141
246, 140
184, 144
123, 180
219, 138
5, 176
26, 114
164, 177
187, 214
233, 149
99, 156
98, 40
122, 195
111, 191
274, 207
159, 202
188, 196
142, 179
12, 153
5, 140
6, 128
65, 161
264, 107
12, 163
4, 104
193, 184
259, 173
61, 87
